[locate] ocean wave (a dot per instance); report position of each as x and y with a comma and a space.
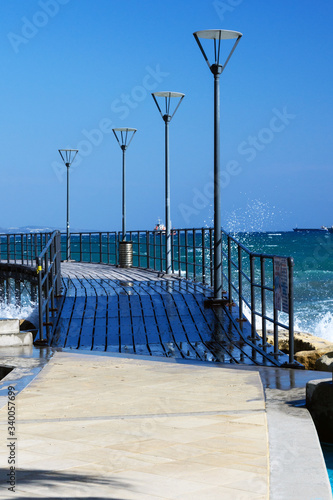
13, 311
322, 326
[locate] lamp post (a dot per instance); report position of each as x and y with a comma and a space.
124, 137
167, 117
68, 156
217, 68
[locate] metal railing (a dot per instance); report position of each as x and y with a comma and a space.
248, 277
49, 283
22, 248
39, 251
254, 281
95, 246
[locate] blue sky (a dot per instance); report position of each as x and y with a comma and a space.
74, 69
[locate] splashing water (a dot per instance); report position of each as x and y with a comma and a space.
13, 311
324, 327
257, 216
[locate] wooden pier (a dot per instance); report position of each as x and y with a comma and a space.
137, 311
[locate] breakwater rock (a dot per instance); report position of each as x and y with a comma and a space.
309, 349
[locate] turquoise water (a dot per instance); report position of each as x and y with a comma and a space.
313, 274
328, 455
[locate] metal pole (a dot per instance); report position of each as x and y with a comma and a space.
40, 299
291, 311
68, 246
167, 198
124, 195
217, 190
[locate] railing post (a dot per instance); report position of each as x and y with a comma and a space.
253, 298
40, 298
8, 248
31, 250
179, 254
203, 256
147, 247
15, 249
154, 243
194, 256
263, 302
172, 252
291, 309
47, 305
186, 253
161, 252
139, 250
211, 256
229, 272
117, 239
275, 319
22, 250
35, 247
240, 284
58, 264
52, 277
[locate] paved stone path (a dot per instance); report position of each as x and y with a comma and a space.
114, 428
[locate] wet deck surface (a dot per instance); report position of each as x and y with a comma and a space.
136, 311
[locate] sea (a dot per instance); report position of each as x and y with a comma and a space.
313, 274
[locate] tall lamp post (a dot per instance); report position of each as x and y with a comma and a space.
167, 117
124, 137
217, 68
68, 156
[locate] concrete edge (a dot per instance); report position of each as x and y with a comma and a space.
297, 465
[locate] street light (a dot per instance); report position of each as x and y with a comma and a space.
217, 68
167, 117
124, 138
68, 156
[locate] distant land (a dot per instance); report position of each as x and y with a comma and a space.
39, 229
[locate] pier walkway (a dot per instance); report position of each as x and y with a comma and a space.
122, 427
137, 311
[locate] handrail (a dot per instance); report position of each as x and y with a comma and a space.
22, 248
49, 284
249, 277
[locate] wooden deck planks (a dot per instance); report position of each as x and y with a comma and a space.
106, 308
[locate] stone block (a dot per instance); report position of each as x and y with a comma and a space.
319, 401
16, 339
9, 326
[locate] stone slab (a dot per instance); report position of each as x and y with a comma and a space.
9, 326
16, 339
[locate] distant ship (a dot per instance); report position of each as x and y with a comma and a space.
161, 227
315, 230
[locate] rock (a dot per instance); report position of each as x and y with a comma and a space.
325, 363
303, 341
309, 358
26, 325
